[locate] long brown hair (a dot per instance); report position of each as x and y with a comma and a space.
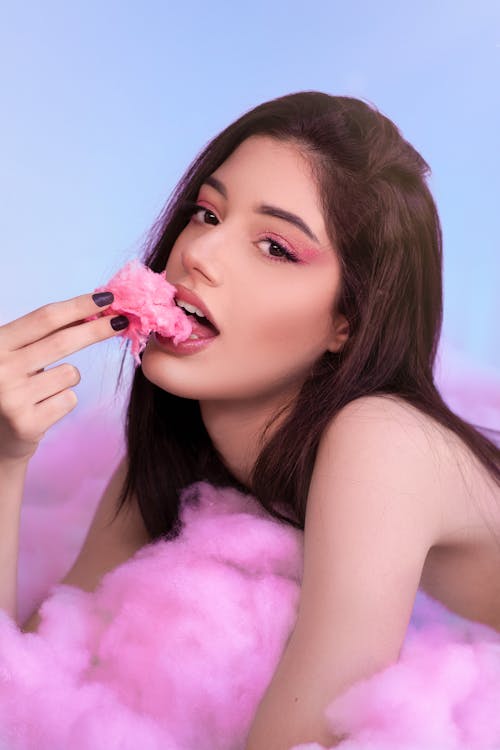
381, 218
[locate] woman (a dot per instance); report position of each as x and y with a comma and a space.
309, 237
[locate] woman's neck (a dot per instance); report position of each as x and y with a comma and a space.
236, 429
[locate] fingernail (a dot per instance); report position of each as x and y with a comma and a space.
103, 298
119, 323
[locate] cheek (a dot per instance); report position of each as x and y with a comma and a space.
172, 264
280, 330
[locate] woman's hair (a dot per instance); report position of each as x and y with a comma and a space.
381, 218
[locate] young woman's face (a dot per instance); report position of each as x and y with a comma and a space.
273, 310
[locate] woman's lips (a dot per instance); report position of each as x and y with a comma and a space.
190, 346
200, 330
200, 336
188, 295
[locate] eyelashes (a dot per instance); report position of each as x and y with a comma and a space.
190, 209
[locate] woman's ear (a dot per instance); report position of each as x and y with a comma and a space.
340, 334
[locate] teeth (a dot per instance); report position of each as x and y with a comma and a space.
193, 336
189, 308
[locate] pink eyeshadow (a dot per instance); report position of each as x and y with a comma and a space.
306, 253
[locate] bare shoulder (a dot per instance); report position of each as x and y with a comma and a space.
395, 410
443, 469
450, 450
392, 409
382, 450
381, 464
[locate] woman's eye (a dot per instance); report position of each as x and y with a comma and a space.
278, 252
196, 210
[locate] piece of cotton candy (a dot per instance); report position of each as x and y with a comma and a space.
147, 299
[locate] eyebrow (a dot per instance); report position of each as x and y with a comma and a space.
265, 209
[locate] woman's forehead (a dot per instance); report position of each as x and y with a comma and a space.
272, 177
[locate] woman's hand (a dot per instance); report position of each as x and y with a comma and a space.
32, 399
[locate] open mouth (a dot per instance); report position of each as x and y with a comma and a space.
202, 327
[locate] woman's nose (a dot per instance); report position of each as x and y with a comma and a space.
204, 254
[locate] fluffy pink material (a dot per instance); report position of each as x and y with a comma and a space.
176, 647
147, 300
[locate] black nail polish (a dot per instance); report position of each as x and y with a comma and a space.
119, 323
103, 298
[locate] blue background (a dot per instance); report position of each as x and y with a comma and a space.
105, 104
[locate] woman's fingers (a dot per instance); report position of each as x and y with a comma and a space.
62, 343
45, 320
32, 399
48, 383
53, 409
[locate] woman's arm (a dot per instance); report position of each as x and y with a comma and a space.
12, 479
108, 542
32, 399
373, 512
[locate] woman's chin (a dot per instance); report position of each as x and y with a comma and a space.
169, 375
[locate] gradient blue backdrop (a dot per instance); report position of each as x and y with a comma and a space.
106, 103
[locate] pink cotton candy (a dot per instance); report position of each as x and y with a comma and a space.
147, 300
174, 649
